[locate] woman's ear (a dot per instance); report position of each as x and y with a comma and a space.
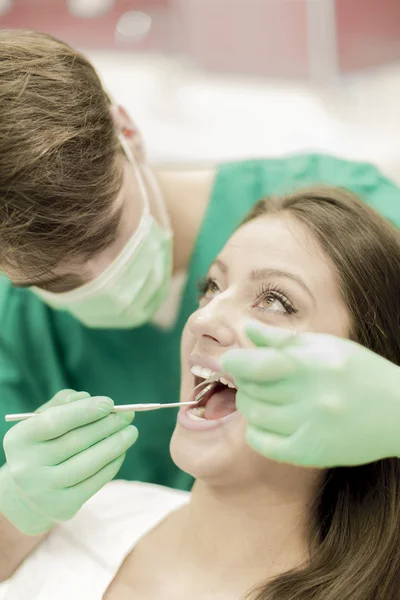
126, 127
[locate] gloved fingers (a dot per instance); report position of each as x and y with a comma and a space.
307, 349
259, 365
272, 337
308, 448
271, 445
281, 420
300, 449
76, 441
281, 392
58, 420
77, 495
63, 397
90, 461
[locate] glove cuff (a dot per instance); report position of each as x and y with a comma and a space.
18, 509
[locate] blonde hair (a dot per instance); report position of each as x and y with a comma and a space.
60, 168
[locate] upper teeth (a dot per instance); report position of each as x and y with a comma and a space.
205, 373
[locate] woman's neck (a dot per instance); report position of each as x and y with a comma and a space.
248, 525
248, 534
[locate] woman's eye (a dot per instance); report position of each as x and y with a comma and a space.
211, 289
272, 302
208, 288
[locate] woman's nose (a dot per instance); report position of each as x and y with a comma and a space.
214, 322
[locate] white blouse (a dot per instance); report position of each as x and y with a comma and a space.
80, 558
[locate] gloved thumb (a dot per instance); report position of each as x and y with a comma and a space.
273, 337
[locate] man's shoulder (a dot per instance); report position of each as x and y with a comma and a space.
245, 182
8, 298
20, 309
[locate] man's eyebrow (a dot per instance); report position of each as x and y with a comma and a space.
259, 274
69, 279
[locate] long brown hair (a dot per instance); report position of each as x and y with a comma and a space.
354, 524
60, 166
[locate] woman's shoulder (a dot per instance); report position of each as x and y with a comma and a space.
123, 511
81, 556
120, 496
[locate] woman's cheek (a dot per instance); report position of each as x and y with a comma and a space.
188, 343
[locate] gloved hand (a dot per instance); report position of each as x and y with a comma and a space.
57, 460
316, 400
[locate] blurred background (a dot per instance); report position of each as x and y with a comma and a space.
218, 80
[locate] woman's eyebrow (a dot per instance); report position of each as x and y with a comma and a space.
260, 274
218, 263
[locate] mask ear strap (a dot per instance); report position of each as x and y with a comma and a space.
151, 182
129, 155
155, 188
149, 177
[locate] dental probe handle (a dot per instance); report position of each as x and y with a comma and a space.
117, 409
122, 407
209, 383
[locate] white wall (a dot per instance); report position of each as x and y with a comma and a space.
189, 116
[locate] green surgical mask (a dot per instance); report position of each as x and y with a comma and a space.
131, 290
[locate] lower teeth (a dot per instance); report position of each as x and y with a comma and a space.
197, 413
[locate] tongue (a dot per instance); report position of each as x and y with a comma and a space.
221, 404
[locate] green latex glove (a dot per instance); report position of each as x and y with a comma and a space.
57, 460
316, 400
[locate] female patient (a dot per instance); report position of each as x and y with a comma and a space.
318, 260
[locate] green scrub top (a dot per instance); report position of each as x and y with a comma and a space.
43, 351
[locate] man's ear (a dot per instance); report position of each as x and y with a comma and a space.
126, 127
122, 121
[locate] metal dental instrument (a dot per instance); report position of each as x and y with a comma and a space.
208, 383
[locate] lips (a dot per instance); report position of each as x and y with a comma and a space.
217, 406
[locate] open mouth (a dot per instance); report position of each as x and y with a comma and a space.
218, 403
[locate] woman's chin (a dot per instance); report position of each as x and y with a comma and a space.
211, 455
